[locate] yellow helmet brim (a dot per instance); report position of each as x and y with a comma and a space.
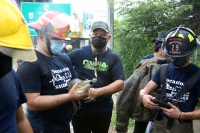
18, 45
26, 55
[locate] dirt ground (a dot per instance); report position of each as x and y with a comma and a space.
112, 129
196, 125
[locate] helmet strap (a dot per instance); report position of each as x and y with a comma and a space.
44, 31
48, 44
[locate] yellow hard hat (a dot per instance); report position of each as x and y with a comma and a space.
15, 40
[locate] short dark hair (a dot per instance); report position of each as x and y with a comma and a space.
158, 41
157, 45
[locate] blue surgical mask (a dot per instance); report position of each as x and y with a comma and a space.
56, 46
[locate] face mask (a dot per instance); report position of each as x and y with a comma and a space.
179, 61
98, 42
5, 65
56, 46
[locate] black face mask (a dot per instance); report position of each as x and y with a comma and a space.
5, 65
98, 42
179, 61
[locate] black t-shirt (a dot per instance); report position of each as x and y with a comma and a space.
109, 69
48, 76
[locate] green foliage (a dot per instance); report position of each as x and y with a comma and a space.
113, 119
139, 22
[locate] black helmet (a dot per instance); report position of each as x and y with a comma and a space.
180, 42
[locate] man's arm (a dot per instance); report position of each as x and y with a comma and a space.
23, 125
146, 98
174, 112
37, 102
148, 88
191, 115
110, 89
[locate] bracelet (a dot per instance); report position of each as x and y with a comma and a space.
180, 115
142, 96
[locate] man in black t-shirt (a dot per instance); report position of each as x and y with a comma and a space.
97, 61
46, 80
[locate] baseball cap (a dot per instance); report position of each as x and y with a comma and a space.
161, 35
101, 25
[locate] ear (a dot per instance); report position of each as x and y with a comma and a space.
90, 35
41, 36
109, 37
160, 49
160, 52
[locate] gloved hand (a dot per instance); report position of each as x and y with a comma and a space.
83, 85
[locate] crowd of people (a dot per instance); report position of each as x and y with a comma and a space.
44, 74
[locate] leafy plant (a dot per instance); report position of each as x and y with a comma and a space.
139, 22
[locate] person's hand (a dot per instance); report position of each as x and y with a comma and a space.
147, 101
92, 94
76, 96
174, 112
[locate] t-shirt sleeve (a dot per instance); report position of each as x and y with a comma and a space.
22, 97
197, 86
67, 60
29, 75
118, 70
198, 90
71, 56
147, 57
156, 77
74, 74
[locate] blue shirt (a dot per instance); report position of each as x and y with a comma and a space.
149, 56
11, 98
175, 80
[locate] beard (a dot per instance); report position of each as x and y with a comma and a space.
99, 51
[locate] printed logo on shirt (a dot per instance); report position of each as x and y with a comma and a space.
61, 77
101, 66
173, 87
